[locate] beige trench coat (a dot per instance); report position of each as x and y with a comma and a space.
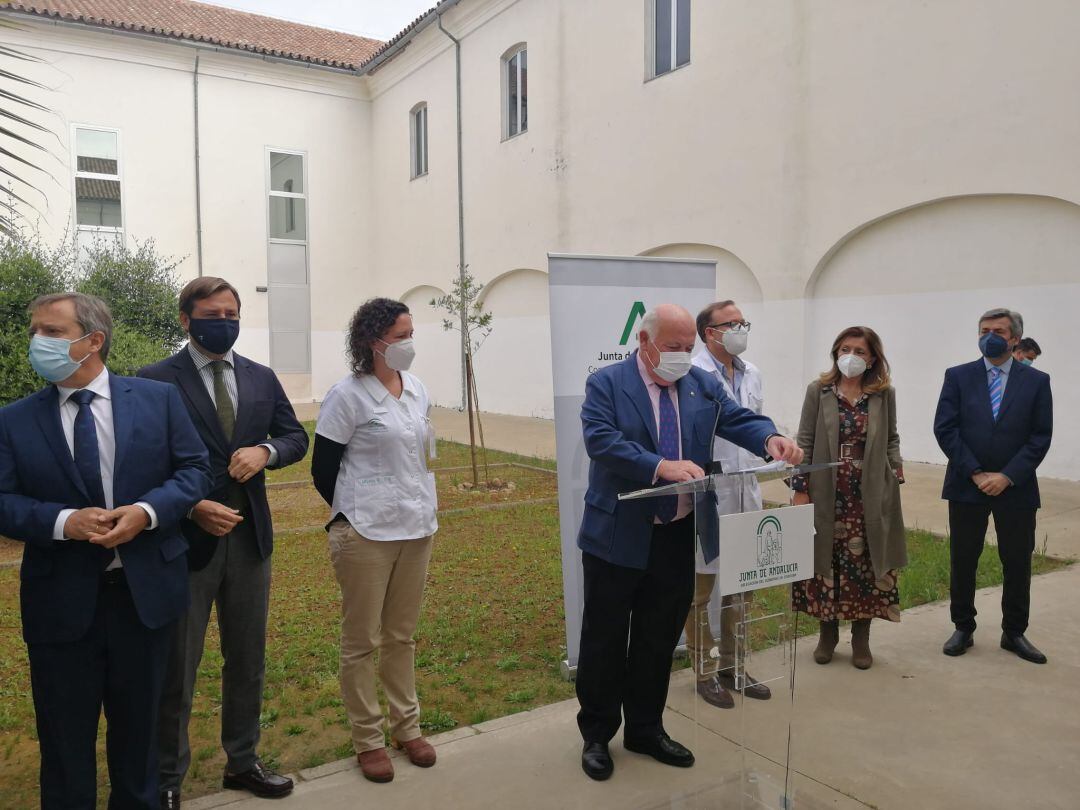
819, 437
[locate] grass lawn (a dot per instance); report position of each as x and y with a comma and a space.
490, 640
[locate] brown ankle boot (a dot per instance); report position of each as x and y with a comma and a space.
860, 644
827, 640
419, 751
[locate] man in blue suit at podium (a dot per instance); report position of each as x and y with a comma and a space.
648, 420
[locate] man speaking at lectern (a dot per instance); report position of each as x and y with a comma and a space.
647, 420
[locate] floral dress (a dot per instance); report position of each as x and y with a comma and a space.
851, 590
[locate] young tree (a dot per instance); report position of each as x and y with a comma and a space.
474, 324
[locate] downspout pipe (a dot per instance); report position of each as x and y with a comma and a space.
198, 173
461, 213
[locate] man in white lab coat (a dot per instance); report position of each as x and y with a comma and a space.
724, 332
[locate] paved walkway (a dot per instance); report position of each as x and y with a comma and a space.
918, 731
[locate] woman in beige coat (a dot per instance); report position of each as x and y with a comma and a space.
850, 416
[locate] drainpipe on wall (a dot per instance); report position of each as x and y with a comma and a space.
198, 188
465, 399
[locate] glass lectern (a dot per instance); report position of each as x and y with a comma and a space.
743, 753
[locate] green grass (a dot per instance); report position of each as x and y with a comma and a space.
490, 640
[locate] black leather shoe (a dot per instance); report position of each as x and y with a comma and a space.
170, 799
663, 749
751, 688
260, 780
596, 761
958, 643
1022, 647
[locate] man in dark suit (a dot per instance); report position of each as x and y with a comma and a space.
96, 473
994, 421
247, 423
647, 420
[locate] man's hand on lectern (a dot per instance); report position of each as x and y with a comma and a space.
784, 449
678, 471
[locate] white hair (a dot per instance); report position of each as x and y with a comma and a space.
651, 323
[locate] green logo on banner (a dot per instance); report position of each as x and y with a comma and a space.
636, 311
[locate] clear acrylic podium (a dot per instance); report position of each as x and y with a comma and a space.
746, 751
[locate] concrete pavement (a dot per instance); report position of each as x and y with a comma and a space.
918, 731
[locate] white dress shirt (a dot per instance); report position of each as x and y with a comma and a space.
101, 408
383, 488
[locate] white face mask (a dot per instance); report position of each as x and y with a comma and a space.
851, 365
399, 356
673, 366
734, 342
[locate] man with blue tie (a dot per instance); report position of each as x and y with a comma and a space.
96, 472
994, 421
647, 420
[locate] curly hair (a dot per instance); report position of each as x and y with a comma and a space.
369, 323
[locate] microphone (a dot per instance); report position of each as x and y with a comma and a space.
713, 466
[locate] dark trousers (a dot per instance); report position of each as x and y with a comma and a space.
237, 579
1016, 543
119, 665
632, 621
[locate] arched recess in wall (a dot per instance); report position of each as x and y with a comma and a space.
734, 279
438, 352
513, 368
921, 276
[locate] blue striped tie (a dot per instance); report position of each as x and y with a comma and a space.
997, 389
668, 505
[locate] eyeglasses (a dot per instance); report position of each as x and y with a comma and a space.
734, 325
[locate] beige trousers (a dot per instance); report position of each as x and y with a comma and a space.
382, 585
699, 633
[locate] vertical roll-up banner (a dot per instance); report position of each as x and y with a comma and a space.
597, 303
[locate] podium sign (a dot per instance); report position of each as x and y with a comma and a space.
766, 548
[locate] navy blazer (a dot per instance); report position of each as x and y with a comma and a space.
1014, 445
264, 415
620, 438
159, 459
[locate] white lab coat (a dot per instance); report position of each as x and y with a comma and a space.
731, 456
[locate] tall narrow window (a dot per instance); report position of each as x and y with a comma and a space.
419, 140
288, 202
671, 35
97, 180
516, 93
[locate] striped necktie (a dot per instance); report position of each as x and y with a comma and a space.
997, 390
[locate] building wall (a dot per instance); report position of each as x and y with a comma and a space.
246, 105
902, 165
805, 147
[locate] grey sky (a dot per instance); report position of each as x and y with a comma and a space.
380, 19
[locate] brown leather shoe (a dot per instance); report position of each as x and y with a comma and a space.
376, 765
715, 694
419, 751
752, 689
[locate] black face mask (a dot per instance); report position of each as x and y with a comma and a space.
216, 335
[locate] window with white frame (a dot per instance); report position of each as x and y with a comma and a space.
418, 125
669, 21
97, 179
288, 200
515, 91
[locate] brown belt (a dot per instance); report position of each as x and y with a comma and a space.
852, 452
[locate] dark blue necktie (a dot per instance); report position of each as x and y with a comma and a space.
87, 458
668, 505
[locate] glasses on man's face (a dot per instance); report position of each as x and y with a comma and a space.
736, 326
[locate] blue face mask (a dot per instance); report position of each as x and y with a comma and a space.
993, 346
50, 357
216, 335
1025, 361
